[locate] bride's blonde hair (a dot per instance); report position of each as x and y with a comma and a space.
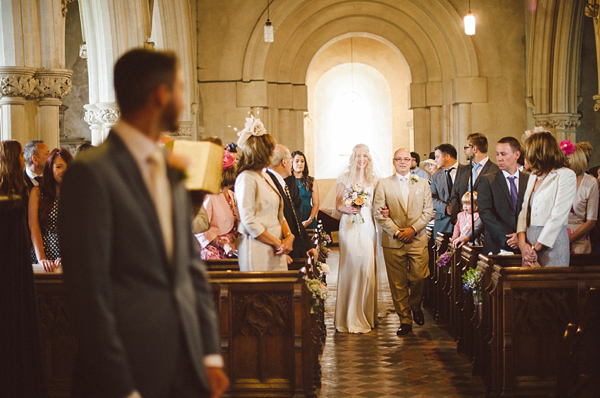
357, 175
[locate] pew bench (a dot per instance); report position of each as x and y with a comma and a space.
522, 320
267, 333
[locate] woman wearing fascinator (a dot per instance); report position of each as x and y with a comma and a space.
219, 241
355, 308
542, 224
265, 237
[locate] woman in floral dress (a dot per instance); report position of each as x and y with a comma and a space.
219, 241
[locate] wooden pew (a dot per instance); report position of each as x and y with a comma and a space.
267, 332
439, 278
428, 298
464, 301
523, 317
57, 334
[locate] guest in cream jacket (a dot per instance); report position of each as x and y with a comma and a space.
542, 224
265, 237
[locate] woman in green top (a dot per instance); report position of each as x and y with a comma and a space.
309, 191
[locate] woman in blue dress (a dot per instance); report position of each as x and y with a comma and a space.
309, 191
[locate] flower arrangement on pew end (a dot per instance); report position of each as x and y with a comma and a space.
444, 259
318, 284
472, 283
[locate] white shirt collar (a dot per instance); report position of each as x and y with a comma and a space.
402, 177
483, 161
454, 166
138, 144
31, 175
507, 174
279, 177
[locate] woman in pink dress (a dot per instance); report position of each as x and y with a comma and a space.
219, 241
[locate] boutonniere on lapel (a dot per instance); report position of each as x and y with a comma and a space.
179, 164
414, 178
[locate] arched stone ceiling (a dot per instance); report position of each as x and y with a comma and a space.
429, 35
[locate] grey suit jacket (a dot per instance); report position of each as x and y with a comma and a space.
137, 314
441, 195
461, 185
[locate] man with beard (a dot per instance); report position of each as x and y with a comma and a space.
141, 300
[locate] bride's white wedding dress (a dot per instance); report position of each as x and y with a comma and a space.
356, 305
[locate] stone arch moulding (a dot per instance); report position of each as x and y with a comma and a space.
442, 62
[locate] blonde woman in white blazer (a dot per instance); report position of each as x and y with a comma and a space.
542, 224
265, 237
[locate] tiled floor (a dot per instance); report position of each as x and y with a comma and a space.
381, 364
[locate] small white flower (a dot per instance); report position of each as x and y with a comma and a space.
414, 178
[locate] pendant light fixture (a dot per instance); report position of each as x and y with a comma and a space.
469, 22
269, 33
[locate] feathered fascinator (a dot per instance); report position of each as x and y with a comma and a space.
253, 127
567, 147
228, 159
537, 129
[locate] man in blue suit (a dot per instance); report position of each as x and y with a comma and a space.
141, 299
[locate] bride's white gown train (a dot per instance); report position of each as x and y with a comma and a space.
356, 304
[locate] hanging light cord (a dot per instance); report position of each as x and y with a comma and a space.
269, 14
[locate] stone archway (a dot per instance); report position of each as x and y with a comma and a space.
442, 60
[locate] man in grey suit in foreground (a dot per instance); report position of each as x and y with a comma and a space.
141, 299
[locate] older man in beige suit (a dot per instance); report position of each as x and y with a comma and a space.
404, 241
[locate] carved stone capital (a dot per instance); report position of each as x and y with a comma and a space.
597, 104
562, 125
52, 83
64, 6
591, 10
16, 81
558, 121
101, 114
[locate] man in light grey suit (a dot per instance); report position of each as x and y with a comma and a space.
141, 299
441, 187
404, 239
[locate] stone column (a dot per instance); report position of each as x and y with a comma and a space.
15, 84
50, 87
422, 128
101, 117
562, 125
592, 11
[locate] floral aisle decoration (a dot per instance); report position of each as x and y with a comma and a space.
472, 283
318, 284
317, 287
444, 259
323, 240
357, 196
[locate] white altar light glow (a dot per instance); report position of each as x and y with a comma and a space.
353, 105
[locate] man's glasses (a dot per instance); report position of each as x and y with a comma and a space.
402, 159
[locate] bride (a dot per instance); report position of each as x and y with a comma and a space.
356, 305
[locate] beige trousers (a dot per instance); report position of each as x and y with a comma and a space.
407, 269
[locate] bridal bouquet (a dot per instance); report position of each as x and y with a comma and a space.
357, 196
